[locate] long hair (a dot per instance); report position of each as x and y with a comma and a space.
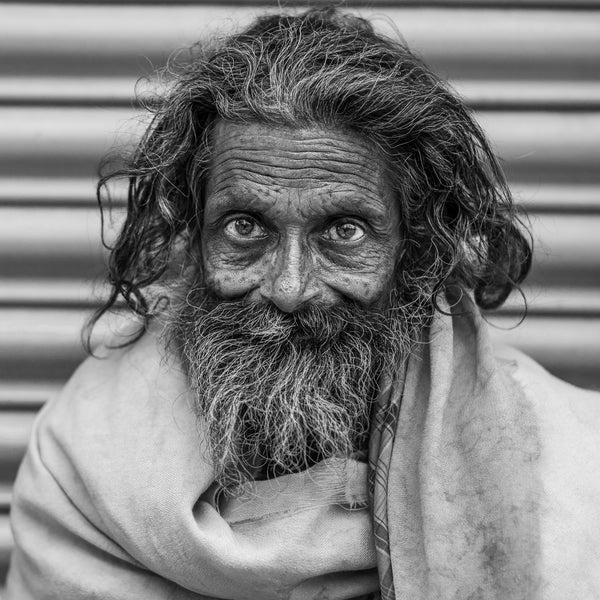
331, 70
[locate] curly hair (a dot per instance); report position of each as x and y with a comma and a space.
327, 69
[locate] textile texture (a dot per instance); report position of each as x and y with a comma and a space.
453, 476
481, 485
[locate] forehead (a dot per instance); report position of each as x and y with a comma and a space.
270, 162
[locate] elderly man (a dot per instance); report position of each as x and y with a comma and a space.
308, 405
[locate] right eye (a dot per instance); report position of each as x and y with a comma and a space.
244, 228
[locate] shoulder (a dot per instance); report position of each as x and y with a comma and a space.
568, 422
122, 441
119, 382
121, 396
557, 403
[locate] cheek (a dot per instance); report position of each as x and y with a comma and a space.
229, 275
368, 284
364, 288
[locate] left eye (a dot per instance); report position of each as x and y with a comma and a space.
345, 231
244, 227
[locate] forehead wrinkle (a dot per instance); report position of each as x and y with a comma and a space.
304, 178
275, 162
269, 138
265, 146
293, 164
297, 173
316, 151
342, 163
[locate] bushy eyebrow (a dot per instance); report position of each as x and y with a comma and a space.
238, 200
340, 203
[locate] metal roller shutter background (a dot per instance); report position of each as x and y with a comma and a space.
530, 69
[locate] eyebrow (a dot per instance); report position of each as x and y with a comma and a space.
341, 204
226, 201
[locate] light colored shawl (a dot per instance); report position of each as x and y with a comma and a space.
484, 481
454, 472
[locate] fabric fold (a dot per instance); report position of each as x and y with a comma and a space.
456, 484
482, 486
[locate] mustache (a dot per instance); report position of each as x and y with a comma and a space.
263, 324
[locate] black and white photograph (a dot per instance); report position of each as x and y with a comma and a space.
300, 301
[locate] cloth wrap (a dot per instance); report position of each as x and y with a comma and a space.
481, 484
454, 480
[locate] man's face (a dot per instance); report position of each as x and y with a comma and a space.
286, 333
294, 217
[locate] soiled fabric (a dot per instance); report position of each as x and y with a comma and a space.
483, 484
485, 474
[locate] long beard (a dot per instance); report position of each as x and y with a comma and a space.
278, 392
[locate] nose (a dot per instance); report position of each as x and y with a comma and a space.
290, 281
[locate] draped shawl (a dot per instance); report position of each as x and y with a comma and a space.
483, 483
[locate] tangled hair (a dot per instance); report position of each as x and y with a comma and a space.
331, 70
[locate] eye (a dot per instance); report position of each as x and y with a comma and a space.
344, 231
244, 228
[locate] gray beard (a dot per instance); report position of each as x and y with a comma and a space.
276, 391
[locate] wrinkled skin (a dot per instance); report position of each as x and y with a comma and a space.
295, 216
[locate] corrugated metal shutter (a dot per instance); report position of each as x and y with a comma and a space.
67, 71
